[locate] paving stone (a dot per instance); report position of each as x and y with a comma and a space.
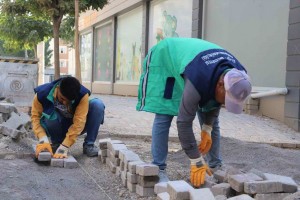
44, 156
231, 171
13, 133
131, 156
147, 169
110, 143
160, 187
132, 178
56, 162
122, 153
241, 197
262, 187
295, 196
204, 193
7, 107
118, 171
103, 152
163, 196
116, 148
1, 118
272, 196
132, 166
258, 173
288, 184
70, 162
111, 166
147, 181
237, 181
103, 143
103, 159
221, 189
144, 192
16, 121
219, 175
220, 197
179, 190
131, 186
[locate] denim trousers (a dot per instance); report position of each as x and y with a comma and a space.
57, 129
160, 137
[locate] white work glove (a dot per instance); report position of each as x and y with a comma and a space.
61, 152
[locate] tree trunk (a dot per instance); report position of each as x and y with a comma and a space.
77, 55
56, 25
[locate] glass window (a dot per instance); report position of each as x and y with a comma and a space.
129, 40
169, 18
103, 53
86, 56
62, 50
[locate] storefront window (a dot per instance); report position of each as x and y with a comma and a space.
86, 56
129, 40
169, 18
103, 53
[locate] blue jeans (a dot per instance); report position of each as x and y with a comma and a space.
58, 128
160, 137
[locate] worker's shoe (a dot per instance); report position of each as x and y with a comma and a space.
163, 177
90, 150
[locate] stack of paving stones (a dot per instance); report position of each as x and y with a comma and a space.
136, 175
69, 162
227, 183
13, 124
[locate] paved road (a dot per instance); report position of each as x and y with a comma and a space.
122, 119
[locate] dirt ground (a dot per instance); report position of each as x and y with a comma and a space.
25, 179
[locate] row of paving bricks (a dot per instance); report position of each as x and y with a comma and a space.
227, 183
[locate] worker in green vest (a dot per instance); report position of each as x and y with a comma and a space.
183, 77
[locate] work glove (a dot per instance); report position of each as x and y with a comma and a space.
198, 171
43, 145
206, 141
61, 152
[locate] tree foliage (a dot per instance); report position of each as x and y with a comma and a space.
49, 10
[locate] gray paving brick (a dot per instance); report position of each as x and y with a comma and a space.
116, 148
110, 143
163, 196
132, 166
144, 192
70, 162
221, 189
131, 186
147, 169
160, 187
103, 143
288, 184
204, 193
220, 197
262, 187
237, 181
295, 196
272, 196
7, 107
179, 190
132, 178
56, 162
147, 181
241, 197
44, 156
219, 175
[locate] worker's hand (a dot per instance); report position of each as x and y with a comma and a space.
198, 171
61, 152
206, 141
43, 145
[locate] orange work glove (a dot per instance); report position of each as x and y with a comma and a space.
198, 171
61, 152
206, 141
43, 145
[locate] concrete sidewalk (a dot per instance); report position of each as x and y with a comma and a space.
121, 119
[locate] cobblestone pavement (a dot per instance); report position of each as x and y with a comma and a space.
121, 118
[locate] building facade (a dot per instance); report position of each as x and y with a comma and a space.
262, 34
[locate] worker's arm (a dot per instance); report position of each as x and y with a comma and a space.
79, 121
187, 112
38, 130
36, 113
186, 115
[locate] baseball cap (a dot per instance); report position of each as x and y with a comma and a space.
238, 88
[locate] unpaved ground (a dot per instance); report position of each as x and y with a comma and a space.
25, 179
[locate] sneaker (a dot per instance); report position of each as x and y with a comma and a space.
163, 177
90, 150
